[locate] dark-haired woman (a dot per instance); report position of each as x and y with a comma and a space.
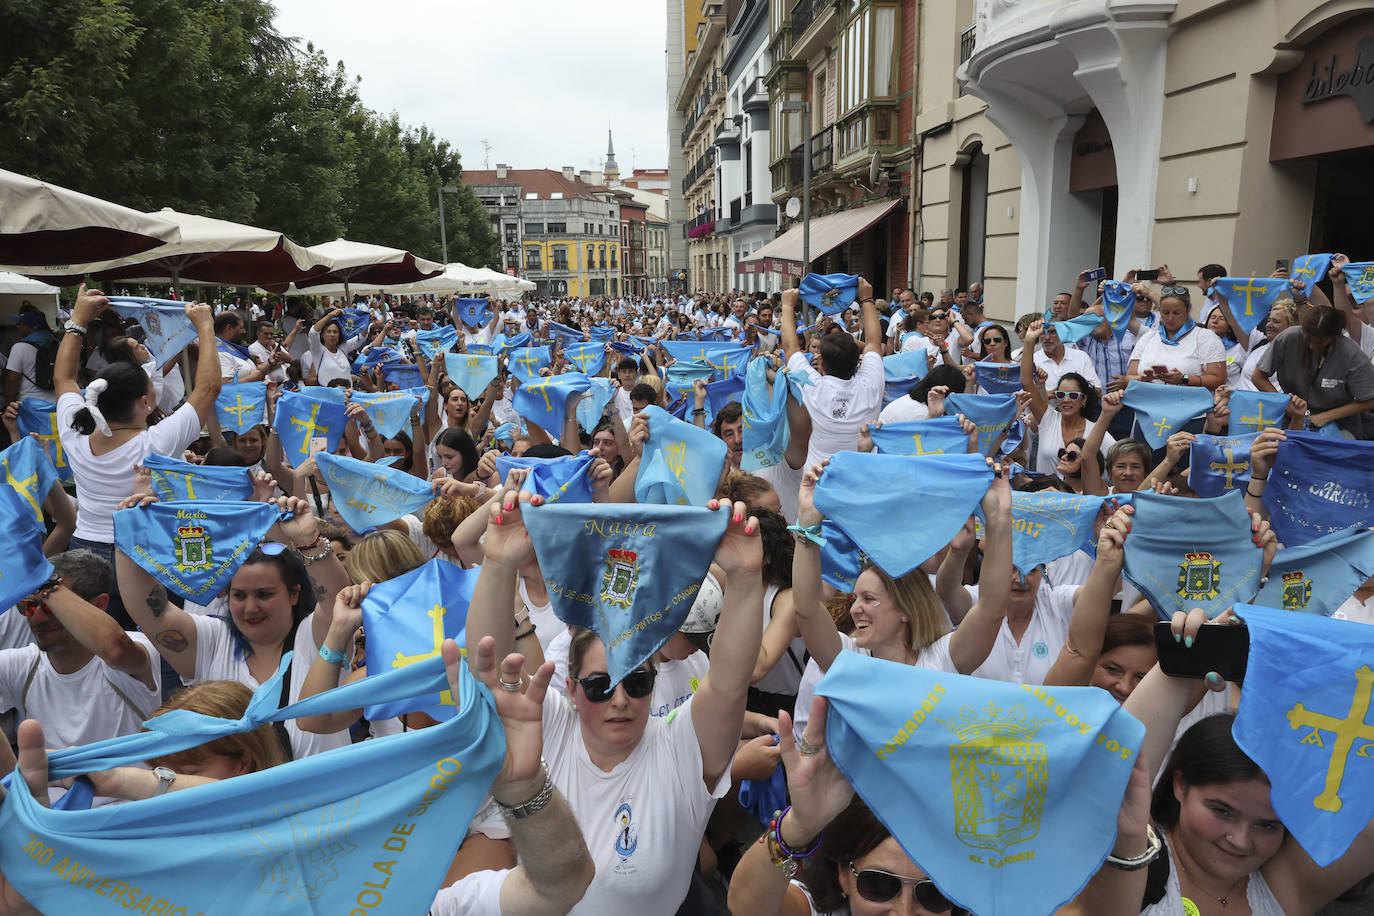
927, 398
274, 608
1065, 415
105, 433
1327, 370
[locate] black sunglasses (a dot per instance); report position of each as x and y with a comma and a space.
639, 683
1072, 456
993, 340
937, 316
877, 886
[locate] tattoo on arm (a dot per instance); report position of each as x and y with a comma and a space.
319, 593
172, 641
157, 600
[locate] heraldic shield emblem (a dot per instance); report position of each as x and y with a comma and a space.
999, 776
1297, 591
1199, 577
192, 548
621, 576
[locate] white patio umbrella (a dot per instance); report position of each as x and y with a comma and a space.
452, 280
16, 289
362, 264
44, 227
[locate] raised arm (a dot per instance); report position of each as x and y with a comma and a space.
977, 633
1093, 484
1038, 404
813, 620
98, 632
324, 674
790, 342
1092, 605
205, 388
89, 304
507, 548
873, 328
169, 627
949, 578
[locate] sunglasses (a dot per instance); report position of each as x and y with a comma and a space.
993, 340
1072, 456
877, 886
272, 548
27, 606
1174, 291
597, 688
938, 316
1068, 395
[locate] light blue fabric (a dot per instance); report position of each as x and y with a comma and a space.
909, 365
1218, 464
1360, 277
946, 488
680, 463
525, 362
354, 321
1006, 795
301, 417
1304, 718
503, 344
991, 413
544, 401
1310, 269
718, 394
369, 495
403, 375
1256, 411
389, 411
725, 357
1319, 485
478, 349
167, 331
240, 406
587, 358
1048, 524
436, 340
600, 333
591, 410
765, 431
471, 373
1163, 410
373, 821
377, 356
193, 547
998, 378
564, 333
1118, 305
841, 559
933, 436
38, 420
1250, 298
30, 476
1076, 328
474, 313
174, 479
763, 798
1317, 577
1192, 553
406, 620
507, 433
628, 572
564, 478
681, 377
831, 293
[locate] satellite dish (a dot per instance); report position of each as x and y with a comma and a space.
793, 207
874, 168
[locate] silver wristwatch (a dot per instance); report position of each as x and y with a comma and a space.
165, 777
534, 805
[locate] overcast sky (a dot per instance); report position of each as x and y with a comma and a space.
540, 80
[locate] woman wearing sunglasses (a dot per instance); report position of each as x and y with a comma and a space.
827, 853
993, 344
1062, 414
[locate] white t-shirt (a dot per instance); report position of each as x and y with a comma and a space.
23, 357
903, 409
1197, 348
1355, 609
1247, 373
623, 406
14, 630
81, 707
475, 894
935, 657
1051, 440
233, 366
217, 660
262, 354
1074, 360
1030, 660
330, 366
547, 628
786, 481
839, 407
642, 821
171, 391
102, 481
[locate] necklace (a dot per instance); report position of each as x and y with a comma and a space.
1224, 901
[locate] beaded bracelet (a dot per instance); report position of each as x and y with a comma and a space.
785, 857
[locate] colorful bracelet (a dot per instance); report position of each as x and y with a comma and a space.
783, 856
811, 533
334, 658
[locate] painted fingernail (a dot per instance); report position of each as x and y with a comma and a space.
500, 519
1213, 678
739, 517
1178, 637
1187, 642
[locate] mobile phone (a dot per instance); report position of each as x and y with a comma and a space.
1159, 370
1147, 276
1281, 264
1097, 273
318, 444
1224, 649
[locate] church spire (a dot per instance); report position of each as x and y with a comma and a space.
611, 171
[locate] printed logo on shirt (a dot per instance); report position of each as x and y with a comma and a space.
840, 410
1040, 650
626, 838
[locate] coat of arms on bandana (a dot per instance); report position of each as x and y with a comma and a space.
1199, 577
621, 577
152, 323
1297, 591
1000, 777
828, 299
192, 546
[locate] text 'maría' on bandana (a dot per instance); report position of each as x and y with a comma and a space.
998, 378
1006, 795
1255, 411
563, 478
831, 293
991, 413
368, 495
389, 411
933, 436
192, 547
471, 373
947, 488
436, 340
302, 418
311, 835
167, 331
38, 421
1317, 577
544, 401
407, 619
174, 479
30, 476
1304, 718
1118, 305
591, 410
1360, 277
472, 312
1319, 485
680, 464
628, 572
241, 405
1250, 298
1192, 553
765, 431
1310, 269
1163, 410
1219, 464
587, 358
525, 362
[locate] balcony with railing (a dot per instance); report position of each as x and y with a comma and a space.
811, 23
704, 166
700, 227
822, 151
713, 89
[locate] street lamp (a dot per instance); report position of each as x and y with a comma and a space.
804, 107
443, 231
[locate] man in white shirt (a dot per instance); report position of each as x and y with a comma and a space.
1055, 359
21, 369
847, 393
235, 362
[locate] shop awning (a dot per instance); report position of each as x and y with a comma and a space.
784, 254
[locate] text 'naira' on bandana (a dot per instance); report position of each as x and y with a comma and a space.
1006, 795
627, 572
1192, 553
174, 479
947, 488
680, 463
192, 547
1163, 410
1319, 485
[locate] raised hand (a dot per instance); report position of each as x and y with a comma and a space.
741, 549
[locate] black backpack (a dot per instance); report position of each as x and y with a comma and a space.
44, 359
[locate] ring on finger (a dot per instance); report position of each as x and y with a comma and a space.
508, 686
806, 748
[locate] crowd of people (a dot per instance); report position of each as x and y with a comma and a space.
622, 796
